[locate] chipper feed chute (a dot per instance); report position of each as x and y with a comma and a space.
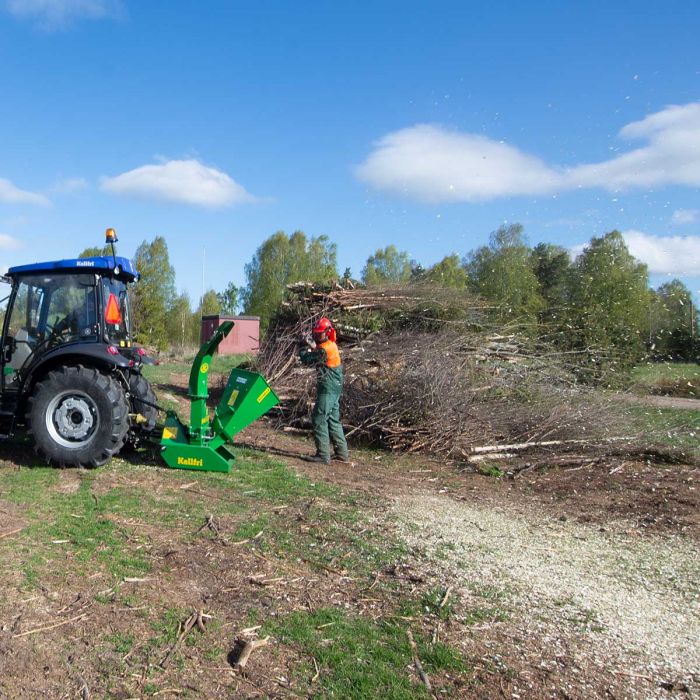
203, 445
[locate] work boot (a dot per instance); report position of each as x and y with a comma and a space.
318, 458
341, 458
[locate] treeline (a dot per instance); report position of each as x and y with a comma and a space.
161, 317
598, 304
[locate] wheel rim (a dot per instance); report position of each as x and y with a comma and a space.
72, 419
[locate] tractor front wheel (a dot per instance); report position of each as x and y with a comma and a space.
78, 416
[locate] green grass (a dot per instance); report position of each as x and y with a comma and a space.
89, 530
490, 470
69, 531
665, 370
359, 658
669, 379
121, 643
672, 427
220, 365
84, 522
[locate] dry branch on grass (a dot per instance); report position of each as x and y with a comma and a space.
417, 663
46, 628
247, 647
197, 619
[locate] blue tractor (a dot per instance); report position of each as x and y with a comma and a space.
71, 374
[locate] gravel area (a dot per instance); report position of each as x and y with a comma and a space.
627, 604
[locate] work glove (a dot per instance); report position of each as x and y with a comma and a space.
306, 340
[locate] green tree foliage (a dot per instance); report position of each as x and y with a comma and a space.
674, 322
449, 272
502, 272
96, 252
281, 260
610, 298
210, 304
387, 266
228, 299
551, 265
154, 293
182, 326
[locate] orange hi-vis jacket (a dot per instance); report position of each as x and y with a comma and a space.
332, 354
329, 369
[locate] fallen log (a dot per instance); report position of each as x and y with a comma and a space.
541, 443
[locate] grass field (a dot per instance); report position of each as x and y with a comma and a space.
673, 427
100, 537
220, 365
667, 379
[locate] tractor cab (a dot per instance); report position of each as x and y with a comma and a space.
61, 307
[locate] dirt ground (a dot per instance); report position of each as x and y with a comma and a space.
597, 565
663, 401
578, 582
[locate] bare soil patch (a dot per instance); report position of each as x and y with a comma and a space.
633, 491
689, 404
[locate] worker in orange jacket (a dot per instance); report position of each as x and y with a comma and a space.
327, 428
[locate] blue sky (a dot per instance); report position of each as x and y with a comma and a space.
426, 125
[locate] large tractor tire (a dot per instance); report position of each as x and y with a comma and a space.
140, 390
78, 416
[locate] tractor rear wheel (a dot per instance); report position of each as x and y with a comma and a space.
78, 416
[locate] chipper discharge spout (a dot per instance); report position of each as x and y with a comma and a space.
203, 445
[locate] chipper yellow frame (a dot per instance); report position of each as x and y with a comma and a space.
203, 445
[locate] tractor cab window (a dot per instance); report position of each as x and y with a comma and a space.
70, 309
26, 311
49, 310
5, 289
115, 305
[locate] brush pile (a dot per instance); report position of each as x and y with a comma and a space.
427, 371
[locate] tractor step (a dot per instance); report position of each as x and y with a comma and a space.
7, 424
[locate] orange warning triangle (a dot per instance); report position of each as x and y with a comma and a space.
112, 313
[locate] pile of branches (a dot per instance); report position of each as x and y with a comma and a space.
427, 371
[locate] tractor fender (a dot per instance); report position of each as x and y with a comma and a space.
87, 354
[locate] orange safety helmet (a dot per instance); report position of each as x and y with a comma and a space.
323, 325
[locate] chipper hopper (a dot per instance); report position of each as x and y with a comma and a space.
203, 445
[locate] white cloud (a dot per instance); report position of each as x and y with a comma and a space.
433, 164
8, 242
672, 156
10, 194
576, 250
668, 255
52, 15
186, 181
685, 216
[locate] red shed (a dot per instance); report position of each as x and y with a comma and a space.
243, 338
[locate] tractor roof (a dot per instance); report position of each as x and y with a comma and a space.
102, 265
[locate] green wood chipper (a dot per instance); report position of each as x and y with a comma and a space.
204, 444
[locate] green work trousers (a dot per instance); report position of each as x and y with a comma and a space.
327, 426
